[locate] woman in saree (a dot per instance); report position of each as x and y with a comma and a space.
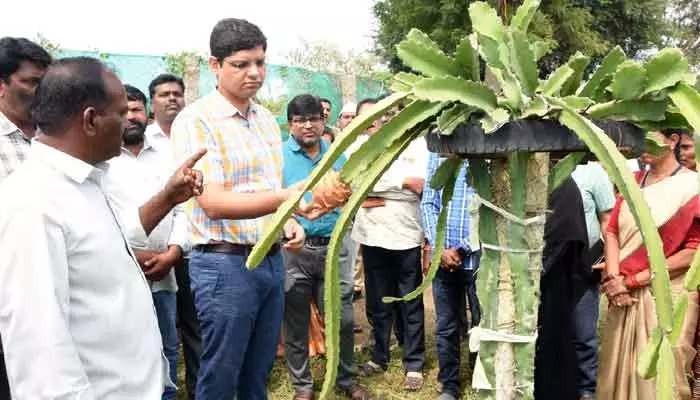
671, 192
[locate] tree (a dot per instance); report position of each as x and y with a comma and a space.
177, 63
326, 57
635, 25
446, 22
590, 26
684, 28
53, 48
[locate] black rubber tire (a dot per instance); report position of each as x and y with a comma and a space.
531, 135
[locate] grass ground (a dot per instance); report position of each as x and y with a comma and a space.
388, 386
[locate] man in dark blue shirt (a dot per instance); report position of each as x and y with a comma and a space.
305, 269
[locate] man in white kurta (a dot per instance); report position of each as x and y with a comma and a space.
76, 314
84, 289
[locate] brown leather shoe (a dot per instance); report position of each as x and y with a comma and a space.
356, 392
413, 383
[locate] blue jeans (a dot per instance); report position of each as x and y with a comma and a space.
240, 314
165, 304
449, 292
585, 334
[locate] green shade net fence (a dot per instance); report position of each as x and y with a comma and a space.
282, 82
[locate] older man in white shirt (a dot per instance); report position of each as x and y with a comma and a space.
76, 312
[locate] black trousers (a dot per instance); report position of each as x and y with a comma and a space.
395, 273
4, 384
188, 326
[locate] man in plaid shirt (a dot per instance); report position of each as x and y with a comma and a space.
456, 279
22, 64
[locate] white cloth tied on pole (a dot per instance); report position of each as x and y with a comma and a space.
510, 250
474, 238
539, 219
477, 335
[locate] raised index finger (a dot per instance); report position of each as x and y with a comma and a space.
190, 162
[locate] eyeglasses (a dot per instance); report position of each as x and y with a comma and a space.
245, 64
303, 120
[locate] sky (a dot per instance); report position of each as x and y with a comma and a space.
159, 26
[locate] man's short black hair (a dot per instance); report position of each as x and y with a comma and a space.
15, 50
135, 94
362, 102
304, 104
164, 78
231, 35
325, 100
69, 86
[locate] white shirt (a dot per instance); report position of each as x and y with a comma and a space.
398, 224
354, 146
158, 138
76, 315
181, 225
131, 182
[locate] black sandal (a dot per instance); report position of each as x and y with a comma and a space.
370, 369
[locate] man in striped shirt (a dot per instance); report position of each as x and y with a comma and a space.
456, 277
240, 311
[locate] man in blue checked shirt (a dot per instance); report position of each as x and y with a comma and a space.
456, 277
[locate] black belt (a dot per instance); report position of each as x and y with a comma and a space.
317, 241
236, 249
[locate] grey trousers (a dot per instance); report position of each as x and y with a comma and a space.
305, 279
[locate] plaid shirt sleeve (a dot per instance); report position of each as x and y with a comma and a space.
430, 202
13, 151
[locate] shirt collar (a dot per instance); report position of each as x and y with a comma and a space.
222, 108
75, 169
147, 146
7, 127
294, 146
154, 131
